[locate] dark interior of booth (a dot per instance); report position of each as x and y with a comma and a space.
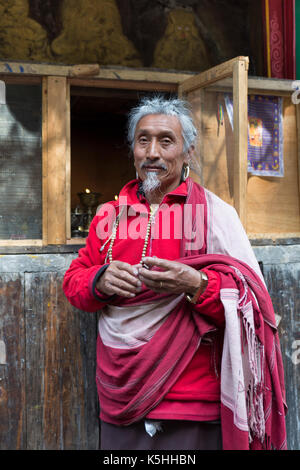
101, 161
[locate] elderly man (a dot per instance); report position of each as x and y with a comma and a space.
187, 353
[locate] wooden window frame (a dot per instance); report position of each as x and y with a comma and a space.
236, 72
56, 133
56, 151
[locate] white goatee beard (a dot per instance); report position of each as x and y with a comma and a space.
151, 182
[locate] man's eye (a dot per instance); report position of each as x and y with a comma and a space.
143, 140
166, 141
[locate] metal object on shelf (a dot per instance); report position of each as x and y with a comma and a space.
82, 217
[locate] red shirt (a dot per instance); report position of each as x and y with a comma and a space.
196, 394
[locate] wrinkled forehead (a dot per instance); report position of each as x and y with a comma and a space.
157, 123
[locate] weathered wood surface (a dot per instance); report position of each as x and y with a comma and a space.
282, 280
48, 396
12, 368
60, 348
281, 266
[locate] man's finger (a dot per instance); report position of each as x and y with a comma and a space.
126, 267
123, 293
125, 276
159, 262
152, 275
114, 285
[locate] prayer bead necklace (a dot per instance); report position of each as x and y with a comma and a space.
153, 210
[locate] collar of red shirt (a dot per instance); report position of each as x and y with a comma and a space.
128, 194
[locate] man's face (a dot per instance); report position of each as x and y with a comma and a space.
158, 148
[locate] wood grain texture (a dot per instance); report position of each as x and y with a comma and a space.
219, 72
283, 282
215, 145
48, 396
240, 119
60, 366
56, 159
298, 147
12, 374
45, 160
273, 203
106, 74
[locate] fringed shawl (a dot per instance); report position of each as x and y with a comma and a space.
133, 379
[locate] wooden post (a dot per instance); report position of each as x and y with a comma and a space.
68, 162
240, 119
210, 76
55, 147
298, 142
45, 160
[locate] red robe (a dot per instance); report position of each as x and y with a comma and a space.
172, 376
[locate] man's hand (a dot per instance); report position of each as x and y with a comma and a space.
176, 278
121, 279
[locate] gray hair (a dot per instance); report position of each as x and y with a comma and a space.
161, 105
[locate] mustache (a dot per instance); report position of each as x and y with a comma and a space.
162, 166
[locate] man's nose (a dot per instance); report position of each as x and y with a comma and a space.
153, 149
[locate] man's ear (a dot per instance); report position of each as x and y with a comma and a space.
191, 152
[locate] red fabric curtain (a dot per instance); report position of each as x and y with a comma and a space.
279, 38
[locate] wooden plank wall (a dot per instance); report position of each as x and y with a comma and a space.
48, 397
57, 156
215, 144
281, 267
12, 366
281, 281
272, 203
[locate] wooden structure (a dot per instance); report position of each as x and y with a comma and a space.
225, 175
47, 348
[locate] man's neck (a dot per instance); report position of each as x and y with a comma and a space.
154, 198
157, 195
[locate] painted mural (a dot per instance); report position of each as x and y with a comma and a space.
21, 37
164, 34
181, 46
92, 32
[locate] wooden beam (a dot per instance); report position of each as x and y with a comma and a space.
15, 79
68, 162
56, 145
30, 68
298, 142
257, 86
104, 73
26, 242
270, 84
76, 241
240, 119
45, 160
134, 84
273, 236
212, 75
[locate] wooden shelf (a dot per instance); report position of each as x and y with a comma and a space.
76, 241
